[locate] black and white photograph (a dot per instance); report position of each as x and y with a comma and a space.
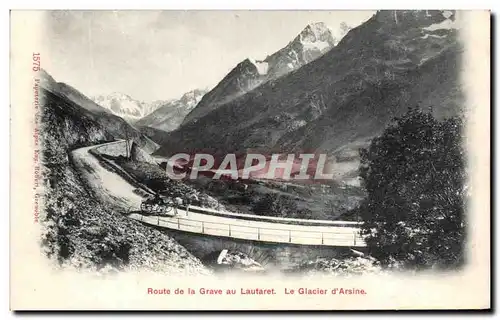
265, 144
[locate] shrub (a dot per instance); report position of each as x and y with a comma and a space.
414, 175
275, 205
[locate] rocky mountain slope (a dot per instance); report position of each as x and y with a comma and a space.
66, 91
170, 114
311, 43
125, 106
87, 108
79, 231
338, 102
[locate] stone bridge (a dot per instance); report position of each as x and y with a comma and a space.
282, 242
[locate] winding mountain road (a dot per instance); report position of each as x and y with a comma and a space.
114, 190
108, 186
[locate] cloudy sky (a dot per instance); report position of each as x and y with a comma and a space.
157, 55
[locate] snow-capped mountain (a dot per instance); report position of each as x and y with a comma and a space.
340, 101
314, 41
125, 106
75, 119
168, 115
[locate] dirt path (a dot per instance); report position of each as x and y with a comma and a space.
107, 185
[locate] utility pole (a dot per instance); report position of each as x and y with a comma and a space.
126, 144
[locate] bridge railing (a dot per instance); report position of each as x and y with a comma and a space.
342, 236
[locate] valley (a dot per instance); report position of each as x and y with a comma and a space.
104, 156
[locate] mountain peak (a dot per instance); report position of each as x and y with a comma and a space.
123, 105
311, 43
192, 97
119, 95
170, 114
336, 103
413, 18
316, 32
316, 28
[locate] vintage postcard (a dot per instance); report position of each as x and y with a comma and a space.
250, 160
